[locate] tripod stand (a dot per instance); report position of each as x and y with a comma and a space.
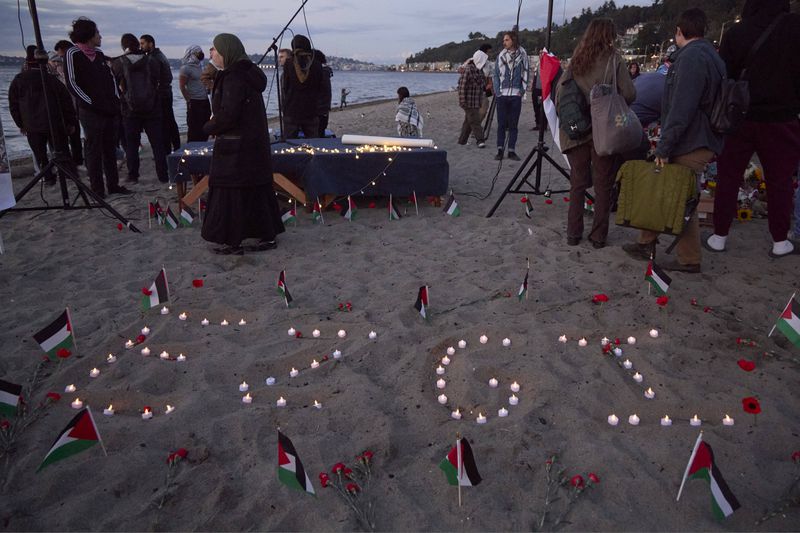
537, 155
60, 159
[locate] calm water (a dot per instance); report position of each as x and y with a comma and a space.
363, 87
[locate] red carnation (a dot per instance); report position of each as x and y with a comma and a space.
5, 424
324, 358
197, 283
341, 307
346, 472
589, 202
298, 334
693, 301
120, 226
367, 455
606, 348
63, 353
140, 339
182, 453
352, 488
566, 198
171, 459
617, 341
337, 468
548, 201
524, 199
796, 456
707, 309
747, 366
54, 396
599, 298
146, 291
577, 481
751, 405
662, 300
593, 478
336, 207
324, 480
349, 306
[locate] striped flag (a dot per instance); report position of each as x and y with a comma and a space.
80, 434
789, 322
289, 215
702, 466
523, 289
657, 278
316, 213
156, 212
528, 206
451, 208
283, 289
349, 212
421, 304
394, 214
57, 336
9, 398
170, 220
157, 293
290, 468
549, 74
187, 216
459, 465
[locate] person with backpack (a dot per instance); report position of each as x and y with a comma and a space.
91, 81
137, 75
471, 87
511, 78
770, 62
302, 85
594, 62
170, 133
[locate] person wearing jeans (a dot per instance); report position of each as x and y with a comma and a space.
511, 78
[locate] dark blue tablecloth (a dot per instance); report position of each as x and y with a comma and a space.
424, 171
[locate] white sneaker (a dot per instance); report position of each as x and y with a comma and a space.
481, 145
779, 249
717, 242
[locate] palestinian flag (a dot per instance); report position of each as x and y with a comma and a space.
283, 289
349, 212
80, 434
158, 293
290, 468
187, 216
588, 206
528, 206
549, 73
451, 208
289, 215
394, 214
702, 466
9, 398
523, 289
789, 322
156, 212
421, 304
170, 220
657, 278
316, 212
57, 336
459, 465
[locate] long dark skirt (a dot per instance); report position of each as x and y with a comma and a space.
238, 213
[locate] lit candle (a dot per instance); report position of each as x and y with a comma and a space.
649, 394
513, 400
502, 412
315, 333
373, 335
633, 420
695, 421
654, 333
637, 377
493, 383
462, 344
70, 388
204, 322
181, 358
76, 403
440, 383
147, 414
631, 340
451, 350
604, 341
515, 387
562, 339
247, 398
270, 381
727, 421
93, 373
293, 373
281, 402
342, 334
291, 332
109, 411
314, 363
244, 387
164, 355
445, 360
170, 408
582, 342
337, 354
439, 370
442, 399
164, 310
456, 415
182, 316
627, 364
223, 323
145, 351
506, 342
613, 419
317, 405
666, 421
481, 419
618, 351
242, 322
111, 358
129, 344
145, 331
484, 339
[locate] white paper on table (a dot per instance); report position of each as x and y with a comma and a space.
387, 141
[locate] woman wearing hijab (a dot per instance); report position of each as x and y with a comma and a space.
241, 200
302, 85
198, 108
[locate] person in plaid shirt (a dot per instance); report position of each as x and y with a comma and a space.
471, 87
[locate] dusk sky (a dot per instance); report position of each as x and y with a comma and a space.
380, 31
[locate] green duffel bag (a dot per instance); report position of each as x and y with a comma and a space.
656, 199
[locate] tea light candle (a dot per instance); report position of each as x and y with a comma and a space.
293, 373
164, 310
637, 377
481, 419
502, 412
314, 363
649, 393
582, 342
145, 331
169, 409
281, 402
145, 351
445, 360
695, 421
342, 334
604, 341
506, 342
76, 403
291, 332
654, 333
484, 339
442, 399
462, 344
247, 398
182, 316
164, 355
513, 400
627, 364
727, 421
633, 420
181, 358
317, 405
223, 323
631, 340
111, 358
109, 411
242, 322
372, 335
270, 381
337, 354
562, 339
440, 383
456, 415
93, 373
439, 370
493, 383
147, 414
451, 350
204, 322
515, 387
666, 421
613, 420
618, 352
244, 387
70, 388
315, 333
129, 344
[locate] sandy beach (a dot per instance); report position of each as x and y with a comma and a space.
382, 394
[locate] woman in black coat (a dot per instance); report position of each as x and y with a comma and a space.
241, 200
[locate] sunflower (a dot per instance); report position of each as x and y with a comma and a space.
744, 215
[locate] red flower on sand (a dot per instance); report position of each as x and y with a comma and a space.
120, 226
747, 366
606, 348
367, 455
352, 488
53, 396
197, 283
693, 301
796, 457
593, 478
662, 300
146, 291
617, 341
337, 468
751, 405
324, 480
599, 298
524, 199
347, 472
548, 201
707, 309
182, 453
63, 353
140, 339
577, 481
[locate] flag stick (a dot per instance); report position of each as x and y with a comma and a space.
285, 299
689, 464
165, 280
784, 309
390, 207
459, 466
69, 319
96, 430
149, 218
199, 211
526, 276
322, 218
416, 205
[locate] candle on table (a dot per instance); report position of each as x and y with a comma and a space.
462, 344
93, 373
515, 387
633, 420
281, 402
613, 419
618, 351
481, 419
109, 411
165, 310
223, 323
317, 404
164, 355
315, 334
456, 415
439, 370
182, 316
247, 398
695, 421
270, 381
484, 339
451, 350
627, 364
111, 358
493, 383
70, 388
440, 383
506, 342
442, 399
649, 393
373, 335
244, 387
604, 341
293, 373
242, 322
562, 339
727, 421
314, 363
513, 400
502, 412
666, 421
76, 403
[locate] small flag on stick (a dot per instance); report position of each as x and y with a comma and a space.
283, 289
657, 278
289, 215
9, 398
170, 220
414, 199
187, 216
57, 336
349, 212
290, 468
157, 293
459, 466
523, 289
451, 208
394, 214
79, 435
316, 213
528, 206
789, 322
421, 304
702, 466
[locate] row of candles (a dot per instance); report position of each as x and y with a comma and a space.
147, 413
634, 420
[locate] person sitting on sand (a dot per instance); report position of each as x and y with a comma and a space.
409, 121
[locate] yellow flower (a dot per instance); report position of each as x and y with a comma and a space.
744, 215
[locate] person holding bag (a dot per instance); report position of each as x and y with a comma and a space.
589, 67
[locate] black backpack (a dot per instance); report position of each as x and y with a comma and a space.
140, 87
573, 109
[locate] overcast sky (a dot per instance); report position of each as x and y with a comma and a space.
381, 31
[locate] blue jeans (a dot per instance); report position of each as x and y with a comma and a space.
508, 110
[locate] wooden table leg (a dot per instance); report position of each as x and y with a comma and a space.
197, 191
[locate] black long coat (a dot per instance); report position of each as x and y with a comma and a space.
241, 148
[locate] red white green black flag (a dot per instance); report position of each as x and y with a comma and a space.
157, 293
316, 212
702, 466
421, 304
283, 290
394, 214
349, 212
290, 468
80, 434
789, 322
657, 278
459, 465
451, 207
9, 398
57, 336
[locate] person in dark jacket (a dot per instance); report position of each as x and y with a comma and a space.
26, 102
241, 199
137, 75
324, 107
170, 133
91, 81
471, 87
687, 139
771, 128
75, 143
302, 88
